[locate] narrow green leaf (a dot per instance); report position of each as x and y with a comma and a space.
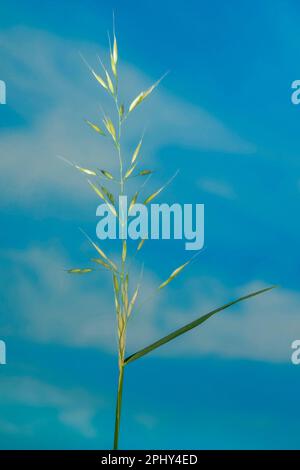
190, 326
121, 111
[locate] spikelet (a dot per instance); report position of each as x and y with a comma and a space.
79, 270
138, 100
95, 127
173, 275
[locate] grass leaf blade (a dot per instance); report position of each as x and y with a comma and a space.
190, 326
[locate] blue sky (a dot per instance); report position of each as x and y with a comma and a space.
224, 117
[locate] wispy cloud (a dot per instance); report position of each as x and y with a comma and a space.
74, 407
216, 187
146, 420
53, 91
79, 312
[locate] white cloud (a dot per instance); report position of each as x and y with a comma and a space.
80, 419
260, 328
219, 188
146, 420
62, 309
10, 428
51, 84
58, 307
74, 407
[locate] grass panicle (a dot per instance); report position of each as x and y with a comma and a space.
125, 303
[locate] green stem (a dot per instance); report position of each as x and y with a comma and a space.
118, 407
121, 171
122, 337
119, 145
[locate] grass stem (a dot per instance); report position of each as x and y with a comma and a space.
118, 407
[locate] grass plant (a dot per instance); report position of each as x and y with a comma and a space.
112, 126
